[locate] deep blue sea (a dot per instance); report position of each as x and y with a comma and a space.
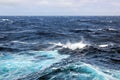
59, 48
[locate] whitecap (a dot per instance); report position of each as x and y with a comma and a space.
70, 45
73, 46
5, 19
77, 71
103, 45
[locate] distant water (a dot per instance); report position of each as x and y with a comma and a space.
59, 48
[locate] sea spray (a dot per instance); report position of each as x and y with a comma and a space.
70, 45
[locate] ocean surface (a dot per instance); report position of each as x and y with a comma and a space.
59, 48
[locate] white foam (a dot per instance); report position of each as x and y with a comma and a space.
5, 19
21, 42
72, 46
103, 45
111, 29
14, 66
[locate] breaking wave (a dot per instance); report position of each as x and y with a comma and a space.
76, 71
73, 46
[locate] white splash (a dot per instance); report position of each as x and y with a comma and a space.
72, 46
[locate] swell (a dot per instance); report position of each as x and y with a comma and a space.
77, 71
106, 54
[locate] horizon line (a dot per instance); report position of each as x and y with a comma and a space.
59, 15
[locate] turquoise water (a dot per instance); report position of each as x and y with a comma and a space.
15, 66
77, 71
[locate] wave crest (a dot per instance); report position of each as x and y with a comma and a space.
75, 71
70, 45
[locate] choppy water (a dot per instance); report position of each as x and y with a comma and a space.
59, 48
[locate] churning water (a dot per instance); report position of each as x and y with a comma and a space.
59, 48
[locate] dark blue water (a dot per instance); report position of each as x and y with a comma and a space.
59, 48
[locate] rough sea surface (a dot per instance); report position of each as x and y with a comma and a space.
59, 48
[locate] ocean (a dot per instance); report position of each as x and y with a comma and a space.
59, 48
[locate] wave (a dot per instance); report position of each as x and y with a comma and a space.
32, 45
40, 65
81, 30
50, 34
2, 48
103, 45
15, 66
6, 20
76, 71
109, 29
22, 64
21, 42
17, 31
73, 46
